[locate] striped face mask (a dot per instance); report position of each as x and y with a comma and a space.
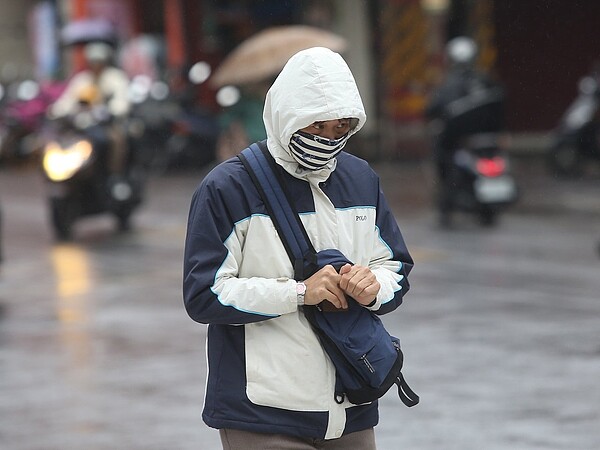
314, 152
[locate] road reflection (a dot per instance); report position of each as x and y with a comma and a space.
73, 276
74, 282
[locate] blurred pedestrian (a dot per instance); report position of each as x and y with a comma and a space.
101, 83
241, 123
270, 383
466, 102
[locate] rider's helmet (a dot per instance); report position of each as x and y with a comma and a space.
461, 50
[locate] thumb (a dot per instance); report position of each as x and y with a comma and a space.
345, 268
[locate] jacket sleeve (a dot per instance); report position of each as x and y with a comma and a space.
213, 291
390, 262
67, 102
118, 86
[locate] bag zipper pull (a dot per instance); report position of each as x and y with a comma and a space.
367, 363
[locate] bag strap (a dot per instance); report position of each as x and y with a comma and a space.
269, 182
406, 394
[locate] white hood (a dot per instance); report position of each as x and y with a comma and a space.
315, 85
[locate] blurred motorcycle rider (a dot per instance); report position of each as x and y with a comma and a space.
466, 102
100, 84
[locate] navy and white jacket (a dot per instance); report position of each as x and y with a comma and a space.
267, 371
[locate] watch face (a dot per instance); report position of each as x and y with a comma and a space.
300, 288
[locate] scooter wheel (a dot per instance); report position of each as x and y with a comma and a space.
62, 216
565, 161
488, 217
123, 220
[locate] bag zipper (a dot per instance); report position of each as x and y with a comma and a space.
366, 362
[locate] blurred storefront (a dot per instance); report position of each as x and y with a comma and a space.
395, 48
544, 48
409, 40
537, 50
15, 56
185, 31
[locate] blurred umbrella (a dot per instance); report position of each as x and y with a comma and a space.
265, 53
88, 30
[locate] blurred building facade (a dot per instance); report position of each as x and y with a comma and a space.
15, 52
537, 49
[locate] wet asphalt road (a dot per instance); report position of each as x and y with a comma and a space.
501, 330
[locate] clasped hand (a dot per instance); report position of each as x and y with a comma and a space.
355, 281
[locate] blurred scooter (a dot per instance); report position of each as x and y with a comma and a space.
577, 137
481, 179
467, 120
75, 166
175, 132
477, 176
22, 114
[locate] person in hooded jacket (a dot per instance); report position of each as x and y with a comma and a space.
270, 383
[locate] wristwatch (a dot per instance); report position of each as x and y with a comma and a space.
300, 291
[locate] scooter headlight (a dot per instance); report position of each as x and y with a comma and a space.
61, 163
